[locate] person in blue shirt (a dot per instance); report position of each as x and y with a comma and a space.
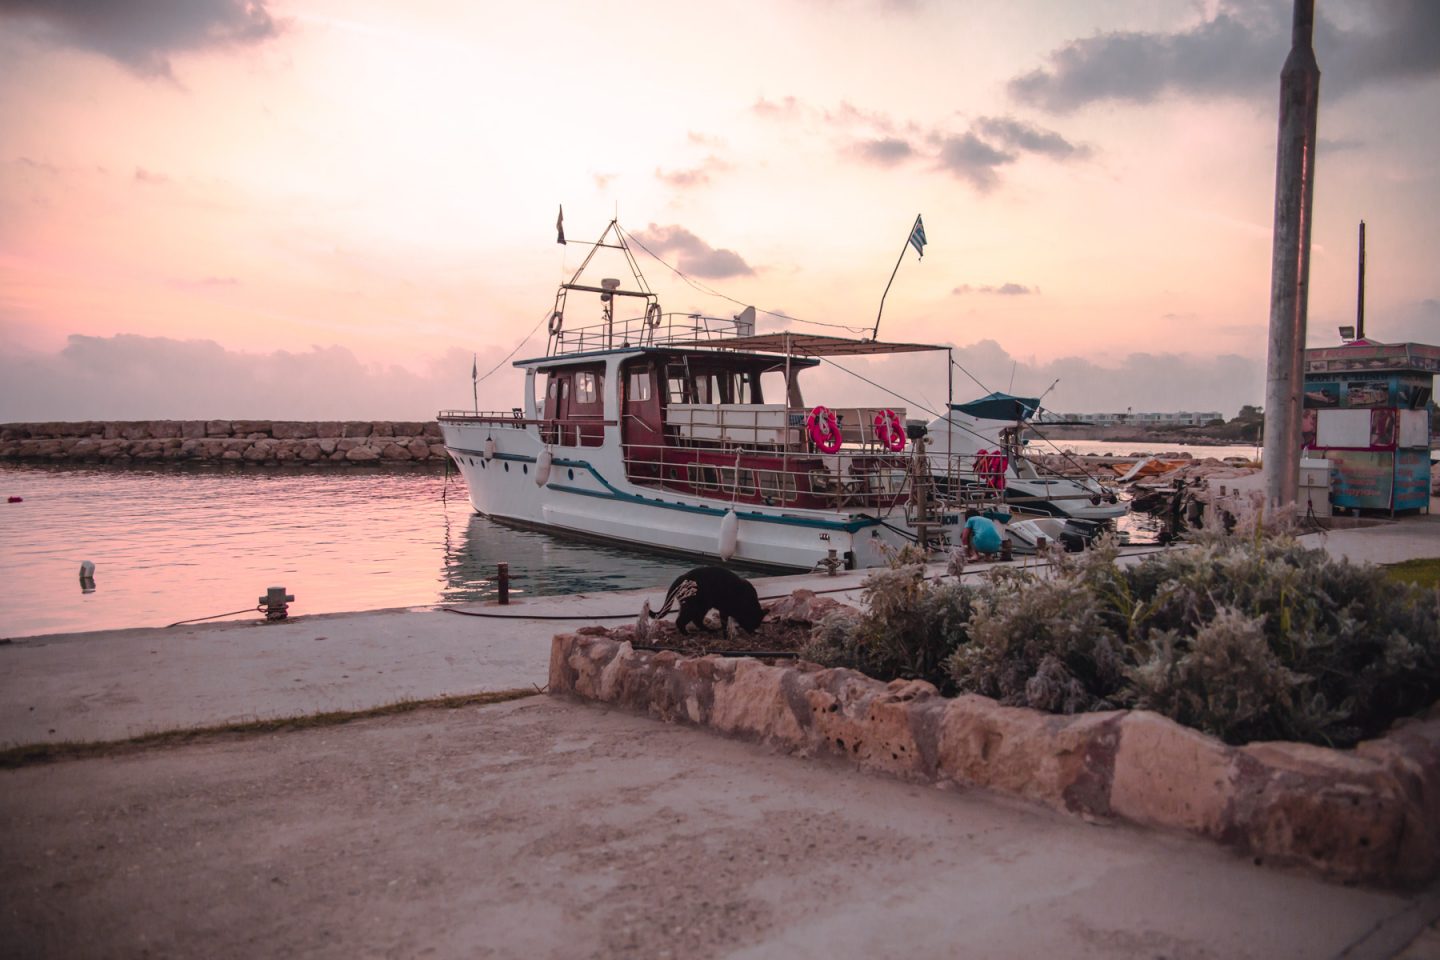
979, 535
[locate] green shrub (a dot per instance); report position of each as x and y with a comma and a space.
908, 629
1040, 643
1243, 638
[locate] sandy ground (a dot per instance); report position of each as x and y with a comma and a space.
544, 828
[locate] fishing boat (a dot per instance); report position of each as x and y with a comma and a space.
983, 443
692, 435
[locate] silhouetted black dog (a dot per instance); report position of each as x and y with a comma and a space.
713, 588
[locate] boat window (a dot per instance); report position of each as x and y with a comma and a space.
586, 390
675, 384
729, 477
705, 388
776, 485
702, 476
639, 386
772, 384
746, 388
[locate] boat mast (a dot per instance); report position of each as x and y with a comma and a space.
875, 334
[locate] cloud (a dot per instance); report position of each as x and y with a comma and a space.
972, 159
697, 176
974, 155
703, 139
131, 377
150, 177
1145, 381
1018, 135
1415, 322
142, 35
693, 255
1237, 51
1004, 289
1337, 144
784, 108
886, 151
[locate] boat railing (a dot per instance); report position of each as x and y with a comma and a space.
774, 426
560, 431
511, 417
797, 478
654, 331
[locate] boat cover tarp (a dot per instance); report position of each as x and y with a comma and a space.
999, 406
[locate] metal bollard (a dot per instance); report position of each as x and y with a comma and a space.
276, 603
502, 583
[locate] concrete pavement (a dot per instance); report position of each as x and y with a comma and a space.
542, 828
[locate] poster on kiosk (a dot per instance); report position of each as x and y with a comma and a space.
1367, 410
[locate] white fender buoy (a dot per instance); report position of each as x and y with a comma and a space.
542, 467
729, 534
489, 448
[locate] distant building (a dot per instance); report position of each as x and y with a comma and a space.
1184, 418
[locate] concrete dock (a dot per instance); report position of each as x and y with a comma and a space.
552, 829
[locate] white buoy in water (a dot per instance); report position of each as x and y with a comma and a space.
542, 467
489, 448
729, 534
87, 570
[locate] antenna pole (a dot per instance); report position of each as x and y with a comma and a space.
876, 333
1360, 302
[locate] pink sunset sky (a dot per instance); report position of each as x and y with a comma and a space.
221, 208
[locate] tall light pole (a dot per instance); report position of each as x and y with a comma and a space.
1290, 263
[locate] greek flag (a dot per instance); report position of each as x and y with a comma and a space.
917, 237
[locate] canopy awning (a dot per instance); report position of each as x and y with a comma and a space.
808, 345
999, 406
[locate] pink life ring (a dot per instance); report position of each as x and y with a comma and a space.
889, 431
824, 429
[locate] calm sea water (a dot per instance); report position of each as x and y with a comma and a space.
174, 543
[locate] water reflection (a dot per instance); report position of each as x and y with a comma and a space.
540, 564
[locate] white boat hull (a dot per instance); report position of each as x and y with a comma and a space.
586, 494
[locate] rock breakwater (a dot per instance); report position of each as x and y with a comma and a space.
261, 442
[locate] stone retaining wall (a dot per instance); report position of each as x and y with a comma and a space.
1368, 815
225, 441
